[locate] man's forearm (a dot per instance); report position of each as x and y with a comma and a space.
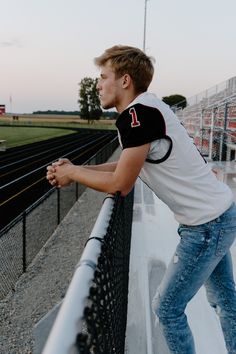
105, 167
103, 181
109, 178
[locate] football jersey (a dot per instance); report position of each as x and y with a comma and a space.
174, 169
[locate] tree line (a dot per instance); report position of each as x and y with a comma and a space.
89, 103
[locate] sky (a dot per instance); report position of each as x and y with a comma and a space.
47, 46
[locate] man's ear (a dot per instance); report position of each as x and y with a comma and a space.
126, 80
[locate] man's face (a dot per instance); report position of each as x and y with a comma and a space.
109, 88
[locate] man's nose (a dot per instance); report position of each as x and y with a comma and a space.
98, 86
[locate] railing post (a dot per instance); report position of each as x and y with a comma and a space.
201, 130
24, 265
77, 191
211, 133
58, 206
223, 148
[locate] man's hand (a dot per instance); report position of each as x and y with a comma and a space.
56, 175
107, 178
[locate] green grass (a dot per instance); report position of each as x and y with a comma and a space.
16, 136
58, 122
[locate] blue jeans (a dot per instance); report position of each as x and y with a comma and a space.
202, 257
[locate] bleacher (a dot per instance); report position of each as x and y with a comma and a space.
209, 118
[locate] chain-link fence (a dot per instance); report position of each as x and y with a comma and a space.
93, 315
21, 240
105, 315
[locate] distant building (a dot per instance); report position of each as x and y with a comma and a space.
2, 109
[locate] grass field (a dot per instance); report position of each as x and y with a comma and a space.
56, 120
16, 136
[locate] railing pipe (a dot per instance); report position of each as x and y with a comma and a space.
69, 320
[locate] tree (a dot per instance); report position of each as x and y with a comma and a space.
176, 100
89, 100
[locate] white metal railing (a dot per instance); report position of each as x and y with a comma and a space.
69, 320
214, 94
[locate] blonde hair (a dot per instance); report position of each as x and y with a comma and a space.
129, 60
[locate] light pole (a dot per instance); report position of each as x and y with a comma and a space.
144, 29
10, 101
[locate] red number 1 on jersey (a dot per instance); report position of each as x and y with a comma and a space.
135, 122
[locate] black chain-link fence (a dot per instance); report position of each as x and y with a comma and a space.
105, 316
21, 240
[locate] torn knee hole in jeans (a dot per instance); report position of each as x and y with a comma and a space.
176, 258
155, 305
216, 308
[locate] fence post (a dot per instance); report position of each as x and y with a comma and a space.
76, 190
24, 242
58, 206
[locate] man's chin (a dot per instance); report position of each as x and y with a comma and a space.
106, 106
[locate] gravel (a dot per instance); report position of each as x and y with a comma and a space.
47, 278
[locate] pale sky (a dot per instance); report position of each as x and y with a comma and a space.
48, 46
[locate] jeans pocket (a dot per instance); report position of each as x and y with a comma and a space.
192, 244
225, 240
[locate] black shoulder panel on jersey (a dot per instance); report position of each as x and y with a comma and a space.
139, 125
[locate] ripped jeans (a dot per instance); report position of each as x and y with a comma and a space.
202, 257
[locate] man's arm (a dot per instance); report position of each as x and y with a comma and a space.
106, 167
121, 179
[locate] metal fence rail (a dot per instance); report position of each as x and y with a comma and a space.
93, 315
21, 240
212, 95
213, 127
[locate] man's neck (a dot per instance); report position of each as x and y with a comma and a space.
126, 102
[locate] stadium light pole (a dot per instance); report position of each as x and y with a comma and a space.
10, 100
145, 22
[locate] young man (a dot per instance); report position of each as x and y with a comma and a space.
156, 148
